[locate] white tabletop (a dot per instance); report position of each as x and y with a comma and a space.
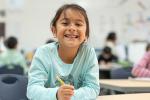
125, 85
138, 96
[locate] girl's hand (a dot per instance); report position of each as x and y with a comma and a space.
65, 92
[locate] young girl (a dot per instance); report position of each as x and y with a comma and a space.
67, 69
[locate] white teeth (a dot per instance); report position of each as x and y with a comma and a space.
71, 36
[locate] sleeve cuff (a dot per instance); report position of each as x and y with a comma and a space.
54, 93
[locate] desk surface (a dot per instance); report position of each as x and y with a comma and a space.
110, 66
125, 85
138, 96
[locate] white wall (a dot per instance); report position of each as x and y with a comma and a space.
2, 7
29, 19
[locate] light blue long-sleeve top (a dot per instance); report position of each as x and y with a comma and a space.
83, 74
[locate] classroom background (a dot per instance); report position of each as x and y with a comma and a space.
26, 19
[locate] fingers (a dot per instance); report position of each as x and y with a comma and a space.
67, 87
66, 92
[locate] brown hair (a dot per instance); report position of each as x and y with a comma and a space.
75, 7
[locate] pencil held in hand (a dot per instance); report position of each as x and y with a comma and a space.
61, 81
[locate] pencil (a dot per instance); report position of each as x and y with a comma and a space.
60, 80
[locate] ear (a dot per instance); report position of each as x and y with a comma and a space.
53, 29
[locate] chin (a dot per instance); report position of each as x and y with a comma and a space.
72, 45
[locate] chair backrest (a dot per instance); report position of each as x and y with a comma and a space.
17, 69
13, 87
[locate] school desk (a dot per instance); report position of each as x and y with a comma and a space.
126, 85
138, 96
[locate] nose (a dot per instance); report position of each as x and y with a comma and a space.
72, 27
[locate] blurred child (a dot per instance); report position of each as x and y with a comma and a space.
106, 56
142, 68
67, 69
12, 56
111, 41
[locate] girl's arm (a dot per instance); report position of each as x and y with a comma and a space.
37, 79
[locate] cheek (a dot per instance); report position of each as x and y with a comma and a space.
83, 31
83, 36
58, 30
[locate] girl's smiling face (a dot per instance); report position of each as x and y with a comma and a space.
70, 29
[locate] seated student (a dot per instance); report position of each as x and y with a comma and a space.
142, 68
67, 69
11, 56
111, 41
106, 57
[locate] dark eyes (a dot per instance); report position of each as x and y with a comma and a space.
65, 23
76, 24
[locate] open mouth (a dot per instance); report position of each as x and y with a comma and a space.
71, 36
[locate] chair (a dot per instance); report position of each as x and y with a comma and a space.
13, 87
17, 69
104, 74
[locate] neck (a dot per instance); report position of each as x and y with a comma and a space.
67, 54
